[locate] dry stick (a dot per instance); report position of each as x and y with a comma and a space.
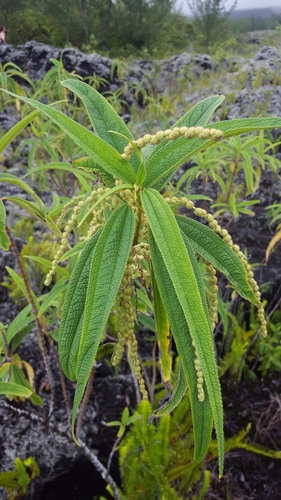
40, 332
89, 454
85, 401
101, 469
112, 453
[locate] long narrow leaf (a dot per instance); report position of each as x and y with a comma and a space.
212, 248
12, 179
163, 333
107, 269
36, 212
16, 130
201, 410
73, 309
179, 392
103, 117
168, 239
102, 152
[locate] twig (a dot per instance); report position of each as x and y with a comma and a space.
101, 469
40, 332
112, 453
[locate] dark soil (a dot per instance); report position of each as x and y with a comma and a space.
248, 475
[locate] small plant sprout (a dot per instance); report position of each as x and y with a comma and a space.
136, 239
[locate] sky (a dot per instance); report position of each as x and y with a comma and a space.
241, 4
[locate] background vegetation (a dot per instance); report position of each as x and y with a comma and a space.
124, 27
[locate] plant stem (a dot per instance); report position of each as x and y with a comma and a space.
40, 332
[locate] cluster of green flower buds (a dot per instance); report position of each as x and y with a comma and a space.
213, 295
126, 334
172, 135
64, 241
200, 380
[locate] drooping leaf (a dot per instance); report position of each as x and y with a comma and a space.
212, 248
16, 130
107, 268
63, 167
99, 150
36, 212
179, 392
202, 416
73, 309
103, 117
12, 179
170, 243
163, 333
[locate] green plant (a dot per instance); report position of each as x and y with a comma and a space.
235, 166
8, 73
134, 238
156, 461
17, 481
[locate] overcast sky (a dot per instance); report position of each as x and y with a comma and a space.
241, 4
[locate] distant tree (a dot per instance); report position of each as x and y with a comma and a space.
210, 19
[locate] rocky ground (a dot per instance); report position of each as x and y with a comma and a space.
65, 472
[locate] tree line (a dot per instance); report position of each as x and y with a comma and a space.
120, 27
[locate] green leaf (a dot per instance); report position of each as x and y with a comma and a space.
24, 318
100, 151
53, 296
91, 165
20, 284
179, 392
10, 389
177, 261
163, 333
16, 130
103, 117
168, 155
62, 167
48, 263
158, 167
4, 240
105, 349
107, 194
12, 179
107, 269
36, 212
202, 416
244, 125
213, 249
73, 309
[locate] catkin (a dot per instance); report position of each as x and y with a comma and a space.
172, 135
